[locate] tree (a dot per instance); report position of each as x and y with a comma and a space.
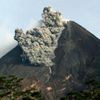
11, 89
91, 93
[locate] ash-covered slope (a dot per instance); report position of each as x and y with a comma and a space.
76, 48
60, 54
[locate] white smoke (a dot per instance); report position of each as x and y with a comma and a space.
32, 23
6, 44
7, 41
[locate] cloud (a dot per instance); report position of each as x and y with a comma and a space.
6, 39
6, 44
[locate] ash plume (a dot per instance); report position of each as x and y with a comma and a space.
39, 44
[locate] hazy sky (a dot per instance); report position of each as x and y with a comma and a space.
25, 13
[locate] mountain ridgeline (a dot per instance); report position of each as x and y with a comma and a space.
60, 55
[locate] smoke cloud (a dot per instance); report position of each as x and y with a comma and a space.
39, 44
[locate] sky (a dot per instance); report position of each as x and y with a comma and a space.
26, 13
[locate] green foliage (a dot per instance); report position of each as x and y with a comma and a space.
10, 89
91, 93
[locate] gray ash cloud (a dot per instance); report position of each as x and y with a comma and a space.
39, 44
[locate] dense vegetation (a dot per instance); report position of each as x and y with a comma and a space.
91, 93
11, 89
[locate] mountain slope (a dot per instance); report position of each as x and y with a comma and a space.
60, 55
77, 54
77, 46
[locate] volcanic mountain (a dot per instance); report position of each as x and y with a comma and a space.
64, 59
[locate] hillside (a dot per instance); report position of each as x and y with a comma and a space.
64, 65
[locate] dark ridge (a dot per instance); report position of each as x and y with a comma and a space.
13, 56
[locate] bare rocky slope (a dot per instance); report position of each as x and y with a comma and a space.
75, 59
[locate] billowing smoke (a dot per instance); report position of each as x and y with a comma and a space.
39, 44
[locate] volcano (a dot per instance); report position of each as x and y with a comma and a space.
66, 61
